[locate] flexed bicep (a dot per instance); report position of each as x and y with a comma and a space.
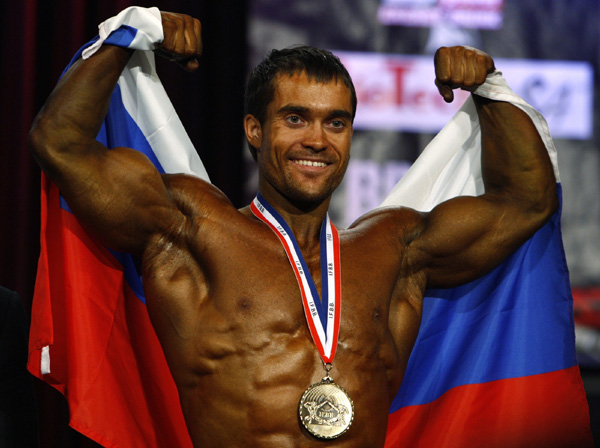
110, 190
466, 237
116, 193
120, 198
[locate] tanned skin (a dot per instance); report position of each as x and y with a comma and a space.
220, 291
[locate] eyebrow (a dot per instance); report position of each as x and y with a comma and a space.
301, 110
290, 108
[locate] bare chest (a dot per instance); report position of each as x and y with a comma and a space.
245, 290
260, 287
233, 322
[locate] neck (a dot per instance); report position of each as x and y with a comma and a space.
304, 219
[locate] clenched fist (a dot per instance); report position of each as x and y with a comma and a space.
460, 68
182, 41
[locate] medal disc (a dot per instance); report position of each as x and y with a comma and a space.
326, 410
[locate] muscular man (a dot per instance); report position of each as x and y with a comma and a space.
220, 290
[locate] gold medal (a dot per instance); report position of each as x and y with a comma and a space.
326, 410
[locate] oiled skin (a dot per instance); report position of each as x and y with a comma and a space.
244, 356
220, 291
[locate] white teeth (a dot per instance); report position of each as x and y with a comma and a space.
309, 163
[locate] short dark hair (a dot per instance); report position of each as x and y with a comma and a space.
320, 65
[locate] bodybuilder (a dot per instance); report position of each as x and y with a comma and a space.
221, 293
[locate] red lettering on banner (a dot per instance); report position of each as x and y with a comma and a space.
399, 71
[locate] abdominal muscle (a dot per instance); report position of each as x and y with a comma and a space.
241, 369
252, 397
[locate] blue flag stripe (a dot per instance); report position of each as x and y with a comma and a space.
120, 129
515, 321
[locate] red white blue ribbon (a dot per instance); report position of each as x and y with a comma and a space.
322, 314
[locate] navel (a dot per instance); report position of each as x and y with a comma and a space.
244, 304
376, 313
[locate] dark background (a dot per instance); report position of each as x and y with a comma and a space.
38, 40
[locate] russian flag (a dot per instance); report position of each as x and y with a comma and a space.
494, 363
91, 337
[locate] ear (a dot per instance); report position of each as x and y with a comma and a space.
253, 130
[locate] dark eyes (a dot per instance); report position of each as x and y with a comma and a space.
334, 124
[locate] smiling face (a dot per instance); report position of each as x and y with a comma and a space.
304, 143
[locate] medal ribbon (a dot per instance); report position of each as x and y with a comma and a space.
323, 316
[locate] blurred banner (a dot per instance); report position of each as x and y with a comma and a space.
586, 309
464, 13
394, 92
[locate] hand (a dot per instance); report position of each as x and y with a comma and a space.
182, 42
460, 68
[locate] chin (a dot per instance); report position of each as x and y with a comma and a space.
304, 193
309, 199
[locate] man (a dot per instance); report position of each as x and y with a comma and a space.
220, 291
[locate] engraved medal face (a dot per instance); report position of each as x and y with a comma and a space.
326, 410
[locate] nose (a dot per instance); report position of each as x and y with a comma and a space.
315, 138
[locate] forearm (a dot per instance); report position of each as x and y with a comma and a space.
73, 114
515, 161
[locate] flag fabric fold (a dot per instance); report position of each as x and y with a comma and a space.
489, 353
91, 337
494, 363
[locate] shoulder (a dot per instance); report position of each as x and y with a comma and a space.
397, 232
193, 202
195, 197
401, 223
189, 187
204, 217
206, 212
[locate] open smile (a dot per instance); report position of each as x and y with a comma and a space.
312, 163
